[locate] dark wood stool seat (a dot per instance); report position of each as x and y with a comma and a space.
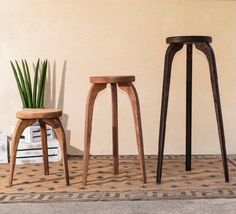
27, 118
124, 83
202, 43
188, 39
112, 79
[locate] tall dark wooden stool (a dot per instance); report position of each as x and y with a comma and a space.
202, 43
124, 83
27, 118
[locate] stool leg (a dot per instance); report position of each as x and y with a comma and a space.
131, 91
170, 53
59, 131
94, 90
189, 108
208, 51
115, 129
20, 127
44, 146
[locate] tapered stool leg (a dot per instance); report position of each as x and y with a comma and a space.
189, 108
170, 53
44, 146
20, 127
208, 51
59, 131
115, 129
94, 90
131, 91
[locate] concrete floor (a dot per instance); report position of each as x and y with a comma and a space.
205, 206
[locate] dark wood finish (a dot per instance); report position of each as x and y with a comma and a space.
201, 43
189, 107
188, 39
38, 113
94, 90
170, 53
125, 83
112, 79
115, 128
45, 117
208, 51
133, 95
44, 146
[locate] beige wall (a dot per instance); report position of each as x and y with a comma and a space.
82, 38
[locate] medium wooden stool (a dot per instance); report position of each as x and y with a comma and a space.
27, 118
124, 83
202, 43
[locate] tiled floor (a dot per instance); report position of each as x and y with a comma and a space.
206, 180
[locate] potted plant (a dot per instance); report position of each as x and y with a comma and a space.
32, 95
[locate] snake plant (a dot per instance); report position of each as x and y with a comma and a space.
32, 96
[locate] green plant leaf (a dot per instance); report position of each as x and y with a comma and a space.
27, 86
35, 84
41, 83
28, 76
19, 86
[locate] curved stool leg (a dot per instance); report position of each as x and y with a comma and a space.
131, 91
44, 146
208, 51
57, 126
170, 53
115, 129
94, 90
20, 127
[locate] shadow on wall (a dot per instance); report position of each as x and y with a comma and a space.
50, 100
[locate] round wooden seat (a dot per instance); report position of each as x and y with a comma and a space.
39, 113
112, 79
188, 39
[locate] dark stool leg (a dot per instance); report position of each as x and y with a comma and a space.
208, 51
44, 146
20, 127
59, 131
94, 90
115, 128
131, 91
189, 108
170, 53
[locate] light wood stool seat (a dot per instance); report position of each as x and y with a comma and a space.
27, 118
125, 84
39, 113
112, 79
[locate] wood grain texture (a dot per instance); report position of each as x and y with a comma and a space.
44, 146
94, 90
188, 39
59, 131
170, 53
129, 88
208, 51
45, 117
112, 79
133, 95
115, 128
38, 113
19, 128
188, 139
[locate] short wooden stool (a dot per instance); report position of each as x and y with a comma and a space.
124, 83
27, 118
202, 43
